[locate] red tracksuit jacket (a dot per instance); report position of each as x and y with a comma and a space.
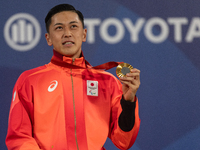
61, 108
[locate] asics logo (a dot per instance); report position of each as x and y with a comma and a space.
53, 86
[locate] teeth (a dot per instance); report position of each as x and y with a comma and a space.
68, 43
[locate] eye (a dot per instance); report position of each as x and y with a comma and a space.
59, 28
73, 26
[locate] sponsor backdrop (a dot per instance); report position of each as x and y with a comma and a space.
161, 38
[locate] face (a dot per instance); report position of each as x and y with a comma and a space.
66, 34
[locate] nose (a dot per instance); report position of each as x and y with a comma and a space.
67, 33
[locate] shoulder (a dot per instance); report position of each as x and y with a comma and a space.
28, 73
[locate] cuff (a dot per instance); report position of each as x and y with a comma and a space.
126, 119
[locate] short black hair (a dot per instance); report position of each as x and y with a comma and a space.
59, 8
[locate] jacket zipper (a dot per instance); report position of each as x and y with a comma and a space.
74, 107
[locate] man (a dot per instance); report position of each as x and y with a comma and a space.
67, 104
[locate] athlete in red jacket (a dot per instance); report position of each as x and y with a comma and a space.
68, 105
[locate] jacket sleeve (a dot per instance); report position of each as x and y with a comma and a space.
123, 132
20, 124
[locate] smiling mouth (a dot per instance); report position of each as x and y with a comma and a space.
68, 43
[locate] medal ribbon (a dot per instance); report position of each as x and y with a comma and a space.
108, 65
105, 66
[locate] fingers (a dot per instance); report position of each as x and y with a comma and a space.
133, 75
130, 84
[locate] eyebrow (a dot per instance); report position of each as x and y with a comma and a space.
58, 24
73, 22
62, 23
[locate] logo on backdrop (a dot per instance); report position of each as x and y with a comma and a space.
22, 32
155, 29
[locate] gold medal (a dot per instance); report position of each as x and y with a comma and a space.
123, 69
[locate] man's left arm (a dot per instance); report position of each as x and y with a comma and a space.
131, 83
127, 127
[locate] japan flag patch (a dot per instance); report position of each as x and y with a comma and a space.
92, 88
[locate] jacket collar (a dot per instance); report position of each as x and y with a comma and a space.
65, 61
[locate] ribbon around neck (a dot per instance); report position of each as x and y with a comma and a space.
105, 66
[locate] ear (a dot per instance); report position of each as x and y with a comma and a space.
84, 35
49, 42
